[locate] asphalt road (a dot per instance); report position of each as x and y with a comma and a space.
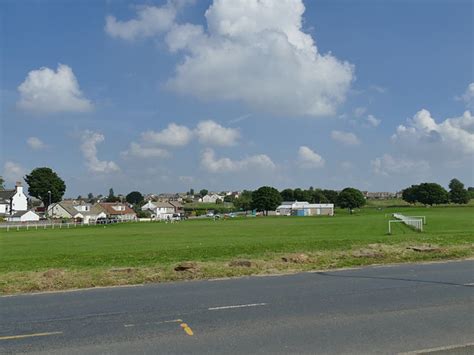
388, 310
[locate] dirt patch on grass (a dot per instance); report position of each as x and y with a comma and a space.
273, 263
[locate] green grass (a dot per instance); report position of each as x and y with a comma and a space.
148, 245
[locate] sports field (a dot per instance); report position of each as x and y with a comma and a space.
148, 252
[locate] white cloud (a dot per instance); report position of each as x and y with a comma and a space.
212, 133
359, 111
35, 143
89, 143
151, 20
224, 165
346, 138
373, 121
47, 91
468, 96
143, 152
388, 165
453, 134
174, 135
13, 172
251, 52
307, 158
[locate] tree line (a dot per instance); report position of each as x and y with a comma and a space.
47, 186
434, 194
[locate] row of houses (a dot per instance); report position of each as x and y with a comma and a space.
87, 212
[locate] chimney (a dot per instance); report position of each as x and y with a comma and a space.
18, 187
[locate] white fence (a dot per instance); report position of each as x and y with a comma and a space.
416, 222
46, 224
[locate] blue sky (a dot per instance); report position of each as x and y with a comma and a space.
165, 96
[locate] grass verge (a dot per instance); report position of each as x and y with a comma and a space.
32, 261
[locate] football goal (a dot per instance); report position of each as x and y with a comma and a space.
415, 222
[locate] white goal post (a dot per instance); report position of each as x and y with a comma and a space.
416, 222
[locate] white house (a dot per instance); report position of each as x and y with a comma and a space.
303, 208
12, 201
149, 206
23, 216
212, 198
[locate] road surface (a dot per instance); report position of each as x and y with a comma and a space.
391, 309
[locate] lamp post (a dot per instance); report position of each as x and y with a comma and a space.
49, 197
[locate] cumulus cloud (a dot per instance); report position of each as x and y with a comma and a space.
387, 165
35, 143
251, 52
453, 134
307, 158
224, 165
212, 133
140, 151
346, 138
150, 20
13, 172
48, 91
373, 121
468, 96
174, 135
88, 147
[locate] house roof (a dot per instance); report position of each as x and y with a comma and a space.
108, 208
176, 204
163, 204
69, 206
21, 213
7, 194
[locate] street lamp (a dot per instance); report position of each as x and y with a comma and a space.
49, 204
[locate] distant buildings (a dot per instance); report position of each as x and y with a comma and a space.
380, 195
303, 208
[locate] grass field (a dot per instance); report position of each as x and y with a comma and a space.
147, 252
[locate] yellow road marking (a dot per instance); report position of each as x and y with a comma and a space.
29, 335
187, 329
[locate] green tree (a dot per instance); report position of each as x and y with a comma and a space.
317, 196
134, 197
287, 195
90, 196
244, 202
431, 194
203, 192
111, 197
229, 198
470, 190
45, 184
266, 199
2, 182
298, 194
350, 198
457, 192
331, 195
410, 194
